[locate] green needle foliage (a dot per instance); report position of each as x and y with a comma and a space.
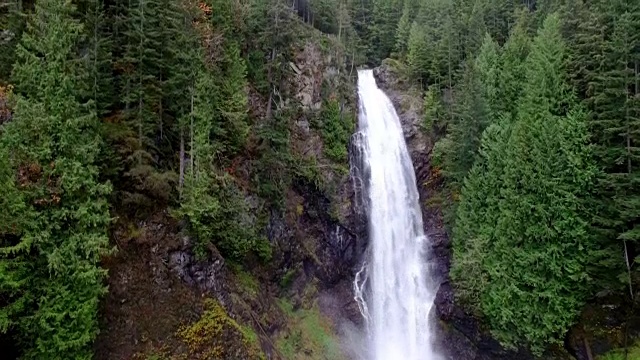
533, 108
50, 261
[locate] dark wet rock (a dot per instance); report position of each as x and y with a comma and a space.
335, 250
209, 276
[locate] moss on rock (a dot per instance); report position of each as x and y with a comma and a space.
217, 336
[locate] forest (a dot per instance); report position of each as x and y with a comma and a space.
113, 109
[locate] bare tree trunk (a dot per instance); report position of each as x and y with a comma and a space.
95, 55
628, 139
191, 152
353, 59
629, 168
161, 111
587, 349
181, 180
140, 102
270, 72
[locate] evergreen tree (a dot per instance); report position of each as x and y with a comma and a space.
361, 15
499, 17
512, 68
489, 69
99, 59
409, 10
475, 29
606, 69
11, 26
52, 270
537, 267
384, 21
435, 116
456, 153
417, 56
433, 44
476, 215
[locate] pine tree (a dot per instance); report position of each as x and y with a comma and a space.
409, 10
435, 116
513, 70
11, 27
489, 69
537, 267
99, 59
456, 153
475, 29
233, 102
417, 56
433, 44
53, 270
607, 70
477, 214
384, 21
499, 17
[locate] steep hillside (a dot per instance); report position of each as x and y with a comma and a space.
219, 150
164, 301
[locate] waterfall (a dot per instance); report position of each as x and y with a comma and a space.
393, 288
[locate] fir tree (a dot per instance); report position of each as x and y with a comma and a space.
512, 68
476, 216
537, 267
409, 10
489, 69
384, 21
606, 69
53, 270
456, 153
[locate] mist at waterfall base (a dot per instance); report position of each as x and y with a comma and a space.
393, 288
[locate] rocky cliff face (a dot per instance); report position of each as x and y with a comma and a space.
162, 298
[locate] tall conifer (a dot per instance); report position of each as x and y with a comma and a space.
53, 143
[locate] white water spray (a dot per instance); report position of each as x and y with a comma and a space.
393, 289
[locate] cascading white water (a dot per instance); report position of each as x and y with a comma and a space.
393, 289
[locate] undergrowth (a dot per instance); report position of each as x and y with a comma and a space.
633, 353
209, 337
308, 335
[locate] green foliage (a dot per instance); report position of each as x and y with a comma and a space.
384, 21
216, 211
51, 280
216, 335
606, 61
273, 177
435, 117
476, 215
308, 335
533, 275
433, 45
631, 353
417, 58
489, 69
456, 153
152, 95
512, 69
249, 283
12, 24
288, 278
409, 10
336, 130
